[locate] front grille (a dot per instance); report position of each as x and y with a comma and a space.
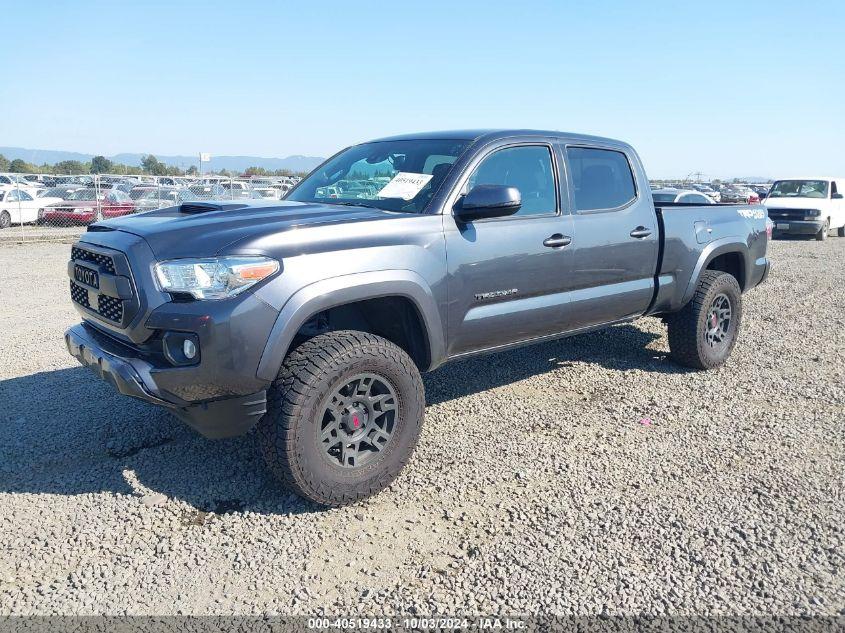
95, 258
112, 299
790, 214
109, 308
79, 294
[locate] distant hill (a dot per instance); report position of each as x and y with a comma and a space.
232, 163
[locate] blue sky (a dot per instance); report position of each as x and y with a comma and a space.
725, 88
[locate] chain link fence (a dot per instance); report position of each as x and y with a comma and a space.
37, 207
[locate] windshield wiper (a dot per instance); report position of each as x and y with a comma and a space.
346, 204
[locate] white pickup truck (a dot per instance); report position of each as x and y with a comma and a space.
807, 206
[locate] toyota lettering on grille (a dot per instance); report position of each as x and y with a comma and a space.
86, 276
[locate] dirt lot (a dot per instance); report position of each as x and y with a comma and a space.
535, 488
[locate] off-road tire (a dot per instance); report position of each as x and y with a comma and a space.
5, 220
687, 328
821, 236
295, 407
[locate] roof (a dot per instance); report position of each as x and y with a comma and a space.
492, 135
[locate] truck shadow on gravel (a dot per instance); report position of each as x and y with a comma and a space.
64, 432
622, 348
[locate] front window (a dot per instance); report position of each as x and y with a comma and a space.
389, 175
529, 169
799, 189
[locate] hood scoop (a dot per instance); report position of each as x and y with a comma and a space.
192, 208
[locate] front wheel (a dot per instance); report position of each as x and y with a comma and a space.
703, 334
343, 417
5, 220
821, 236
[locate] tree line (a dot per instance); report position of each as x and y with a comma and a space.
150, 165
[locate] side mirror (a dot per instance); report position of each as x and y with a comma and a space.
837, 196
488, 201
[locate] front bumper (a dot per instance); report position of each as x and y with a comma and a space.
797, 227
126, 370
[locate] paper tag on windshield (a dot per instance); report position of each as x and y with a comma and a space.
404, 185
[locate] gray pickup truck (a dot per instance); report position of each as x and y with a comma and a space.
312, 317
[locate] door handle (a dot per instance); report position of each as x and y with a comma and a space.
557, 240
640, 232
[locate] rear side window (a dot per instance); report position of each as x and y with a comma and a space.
601, 178
529, 169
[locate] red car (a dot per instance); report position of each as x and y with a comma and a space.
83, 207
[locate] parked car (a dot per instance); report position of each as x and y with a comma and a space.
739, 194
761, 190
209, 192
159, 197
708, 191
125, 184
282, 188
268, 193
751, 196
313, 317
807, 206
16, 180
681, 196
237, 189
86, 206
20, 206
139, 191
61, 192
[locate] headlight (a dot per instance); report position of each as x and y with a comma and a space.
214, 278
812, 213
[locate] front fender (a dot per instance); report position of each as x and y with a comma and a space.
335, 291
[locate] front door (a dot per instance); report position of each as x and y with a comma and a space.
506, 275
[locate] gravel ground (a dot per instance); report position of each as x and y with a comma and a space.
30, 232
535, 488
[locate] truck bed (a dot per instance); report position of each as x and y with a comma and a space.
688, 245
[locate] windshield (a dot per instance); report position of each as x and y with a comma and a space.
799, 189
390, 175
83, 194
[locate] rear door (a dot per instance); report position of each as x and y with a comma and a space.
615, 239
507, 276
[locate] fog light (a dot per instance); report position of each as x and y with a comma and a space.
181, 348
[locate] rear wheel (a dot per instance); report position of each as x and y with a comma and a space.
841, 231
343, 417
821, 236
703, 334
5, 220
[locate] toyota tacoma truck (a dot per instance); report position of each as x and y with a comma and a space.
311, 318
